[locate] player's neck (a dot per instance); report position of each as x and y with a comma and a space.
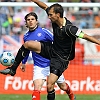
61, 22
32, 29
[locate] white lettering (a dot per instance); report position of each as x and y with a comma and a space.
87, 84
8, 81
25, 82
82, 84
75, 85
30, 85
97, 86
17, 83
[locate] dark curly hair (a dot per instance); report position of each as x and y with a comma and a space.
31, 14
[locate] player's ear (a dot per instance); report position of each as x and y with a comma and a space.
58, 15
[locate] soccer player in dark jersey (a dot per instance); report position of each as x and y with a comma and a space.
60, 51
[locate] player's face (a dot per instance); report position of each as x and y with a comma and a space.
53, 16
31, 22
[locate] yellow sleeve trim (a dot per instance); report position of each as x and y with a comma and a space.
81, 35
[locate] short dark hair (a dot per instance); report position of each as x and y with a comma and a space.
57, 9
31, 14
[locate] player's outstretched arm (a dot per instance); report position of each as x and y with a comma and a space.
40, 4
91, 39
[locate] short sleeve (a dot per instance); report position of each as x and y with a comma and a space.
73, 30
47, 10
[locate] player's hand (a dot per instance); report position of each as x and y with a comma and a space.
22, 67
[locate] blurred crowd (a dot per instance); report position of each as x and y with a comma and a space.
12, 18
52, 0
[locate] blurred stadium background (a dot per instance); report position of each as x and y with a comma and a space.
83, 72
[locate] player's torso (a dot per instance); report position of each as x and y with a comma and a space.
37, 35
64, 42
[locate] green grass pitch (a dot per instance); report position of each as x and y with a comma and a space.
43, 97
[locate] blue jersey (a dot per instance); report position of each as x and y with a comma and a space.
39, 34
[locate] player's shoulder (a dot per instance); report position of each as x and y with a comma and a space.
47, 31
44, 29
68, 22
26, 33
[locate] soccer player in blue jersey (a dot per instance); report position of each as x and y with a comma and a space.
41, 65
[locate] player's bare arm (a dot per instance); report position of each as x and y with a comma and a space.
40, 4
91, 39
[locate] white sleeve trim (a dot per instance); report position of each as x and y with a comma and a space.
78, 32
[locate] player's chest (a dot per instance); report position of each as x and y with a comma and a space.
60, 33
35, 36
